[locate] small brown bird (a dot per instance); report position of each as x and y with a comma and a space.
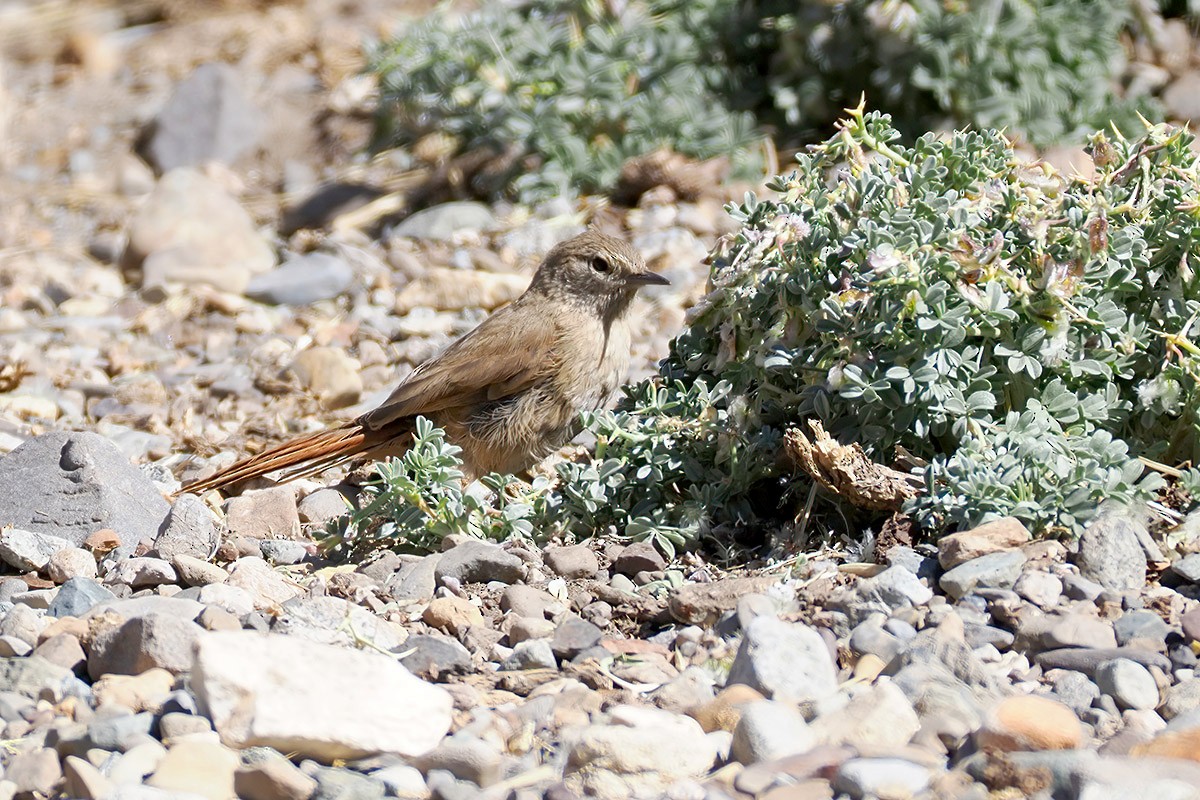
509, 392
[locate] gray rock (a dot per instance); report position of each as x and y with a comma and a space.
415, 581
323, 505
1129, 683
1182, 97
120, 733
1111, 554
189, 530
1181, 698
302, 280
908, 558
882, 777
207, 118
690, 689
980, 635
342, 784
1143, 625
1075, 689
1087, 660
1040, 588
1078, 630
444, 222
576, 561
479, 562
33, 772
283, 551
77, 596
946, 654
870, 637
1188, 568
636, 740
197, 572
466, 758
381, 567
29, 551
785, 661
139, 572
131, 607
1077, 587
434, 655
74, 484
526, 601
769, 730
639, 557
316, 700
402, 781
14, 706
24, 623
332, 620
530, 654
144, 642
573, 636
999, 569
34, 677
892, 589
264, 514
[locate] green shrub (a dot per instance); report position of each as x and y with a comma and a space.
1027, 335
1047, 69
563, 92
567, 89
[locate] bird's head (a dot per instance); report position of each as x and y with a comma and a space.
594, 269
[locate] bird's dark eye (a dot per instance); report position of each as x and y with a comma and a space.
600, 264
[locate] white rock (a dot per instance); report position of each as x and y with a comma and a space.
265, 585
880, 717
316, 700
645, 740
27, 550
235, 600
769, 730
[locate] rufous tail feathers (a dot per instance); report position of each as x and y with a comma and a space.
302, 456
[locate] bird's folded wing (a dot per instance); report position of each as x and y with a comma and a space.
484, 365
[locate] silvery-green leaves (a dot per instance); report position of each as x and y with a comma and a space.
570, 89
1027, 335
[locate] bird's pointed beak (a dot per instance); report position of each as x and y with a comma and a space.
647, 279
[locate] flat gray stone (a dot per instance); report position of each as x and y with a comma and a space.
443, 222
207, 118
74, 484
1087, 660
77, 596
302, 280
995, 570
1111, 554
1188, 568
785, 661
479, 562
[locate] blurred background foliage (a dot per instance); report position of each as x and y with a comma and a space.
562, 92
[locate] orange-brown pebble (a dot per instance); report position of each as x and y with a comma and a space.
723, 712
1028, 722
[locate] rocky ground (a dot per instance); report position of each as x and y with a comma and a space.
197, 260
